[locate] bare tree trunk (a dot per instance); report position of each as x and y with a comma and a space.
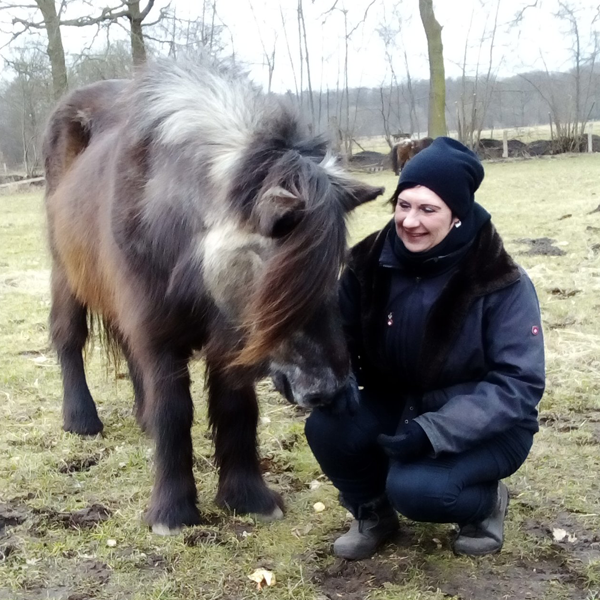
437, 78
347, 134
414, 119
138, 48
287, 45
301, 54
308, 75
56, 52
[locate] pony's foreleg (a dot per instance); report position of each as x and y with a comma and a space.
169, 413
233, 415
69, 331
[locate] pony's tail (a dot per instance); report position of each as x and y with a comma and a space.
111, 342
77, 117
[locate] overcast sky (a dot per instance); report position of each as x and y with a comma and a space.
252, 24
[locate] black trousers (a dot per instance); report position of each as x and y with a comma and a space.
451, 488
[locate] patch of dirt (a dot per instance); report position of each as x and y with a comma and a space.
152, 561
585, 423
199, 537
563, 324
79, 519
93, 569
541, 247
354, 580
563, 292
565, 217
7, 550
11, 516
241, 530
579, 542
593, 229
281, 474
32, 281
597, 209
290, 440
79, 463
521, 579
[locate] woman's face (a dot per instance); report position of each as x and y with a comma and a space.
422, 219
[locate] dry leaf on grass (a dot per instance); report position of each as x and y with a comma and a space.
561, 535
263, 577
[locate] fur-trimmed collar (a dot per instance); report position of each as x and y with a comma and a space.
486, 268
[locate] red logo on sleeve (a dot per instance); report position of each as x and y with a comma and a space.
535, 330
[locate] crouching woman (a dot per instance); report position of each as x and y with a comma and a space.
445, 333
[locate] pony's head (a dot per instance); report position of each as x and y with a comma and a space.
279, 280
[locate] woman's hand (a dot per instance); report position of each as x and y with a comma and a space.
407, 445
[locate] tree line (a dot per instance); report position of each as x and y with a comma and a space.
40, 72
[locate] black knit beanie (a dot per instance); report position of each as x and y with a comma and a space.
448, 168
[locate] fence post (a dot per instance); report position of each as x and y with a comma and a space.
505, 144
590, 141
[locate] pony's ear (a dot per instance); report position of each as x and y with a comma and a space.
278, 211
359, 193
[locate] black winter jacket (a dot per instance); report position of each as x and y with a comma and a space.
477, 366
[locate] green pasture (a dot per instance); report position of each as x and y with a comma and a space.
70, 508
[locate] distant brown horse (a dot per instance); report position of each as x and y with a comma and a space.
190, 213
404, 150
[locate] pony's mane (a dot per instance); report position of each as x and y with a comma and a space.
206, 112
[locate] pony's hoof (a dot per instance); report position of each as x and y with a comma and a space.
254, 499
275, 515
87, 427
171, 518
162, 529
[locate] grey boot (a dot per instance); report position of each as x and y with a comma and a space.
487, 536
376, 522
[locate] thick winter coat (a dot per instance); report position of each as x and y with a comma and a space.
474, 364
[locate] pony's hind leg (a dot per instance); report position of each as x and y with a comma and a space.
69, 331
233, 415
168, 413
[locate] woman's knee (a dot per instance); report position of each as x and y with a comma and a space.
340, 437
417, 494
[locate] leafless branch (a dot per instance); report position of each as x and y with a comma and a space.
144, 13
330, 10
361, 22
521, 14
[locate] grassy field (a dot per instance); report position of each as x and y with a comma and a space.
70, 508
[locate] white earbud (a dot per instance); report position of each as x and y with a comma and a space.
457, 224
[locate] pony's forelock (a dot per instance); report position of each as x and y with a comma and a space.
302, 272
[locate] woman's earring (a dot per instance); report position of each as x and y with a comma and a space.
457, 224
